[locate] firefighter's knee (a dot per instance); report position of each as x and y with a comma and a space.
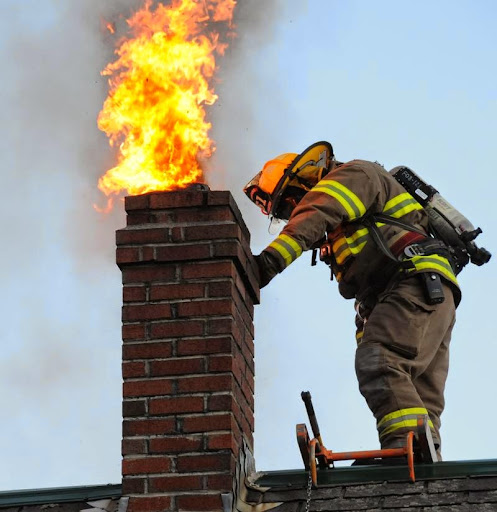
370, 367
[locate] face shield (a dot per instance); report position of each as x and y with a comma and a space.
283, 181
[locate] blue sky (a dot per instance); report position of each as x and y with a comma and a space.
396, 82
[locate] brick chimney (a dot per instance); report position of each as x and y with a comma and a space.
189, 291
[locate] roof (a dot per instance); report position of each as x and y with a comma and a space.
93, 497
441, 487
460, 486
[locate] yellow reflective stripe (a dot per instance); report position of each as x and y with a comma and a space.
407, 209
342, 254
345, 246
359, 335
282, 251
357, 240
401, 205
436, 263
392, 203
350, 202
339, 244
292, 243
401, 412
402, 424
287, 248
356, 235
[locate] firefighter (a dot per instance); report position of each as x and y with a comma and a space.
404, 287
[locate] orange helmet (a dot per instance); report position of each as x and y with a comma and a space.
299, 172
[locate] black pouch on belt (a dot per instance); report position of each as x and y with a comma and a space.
432, 286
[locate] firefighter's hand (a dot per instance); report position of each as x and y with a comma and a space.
265, 267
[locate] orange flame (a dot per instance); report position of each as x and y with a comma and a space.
159, 84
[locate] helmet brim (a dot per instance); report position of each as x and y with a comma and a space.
318, 154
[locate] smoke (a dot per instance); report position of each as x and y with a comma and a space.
61, 289
249, 84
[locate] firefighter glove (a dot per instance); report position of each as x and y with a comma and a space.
267, 268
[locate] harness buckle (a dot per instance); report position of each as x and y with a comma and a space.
414, 250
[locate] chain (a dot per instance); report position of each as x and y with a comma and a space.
309, 490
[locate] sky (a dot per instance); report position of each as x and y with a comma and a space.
410, 83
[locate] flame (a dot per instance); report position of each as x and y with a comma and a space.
158, 88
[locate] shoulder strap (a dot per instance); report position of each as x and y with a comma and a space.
386, 219
370, 222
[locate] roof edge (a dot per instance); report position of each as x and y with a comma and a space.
369, 474
59, 495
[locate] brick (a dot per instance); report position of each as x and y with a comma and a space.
246, 323
212, 307
245, 307
134, 408
146, 465
224, 326
133, 369
201, 214
242, 399
224, 197
134, 294
176, 444
208, 270
183, 252
127, 255
249, 381
175, 483
176, 329
133, 332
176, 405
229, 249
133, 447
177, 199
219, 482
149, 273
147, 387
204, 346
222, 363
177, 291
212, 232
148, 427
222, 442
137, 218
205, 462
177, 366
206, 423
133, 486
142, 236
246, 426
222, 402
145, 312
147, 350
220, 288
149, 504
200, 502
140, 202
147, 254
205, 383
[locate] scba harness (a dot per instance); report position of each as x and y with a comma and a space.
450, 236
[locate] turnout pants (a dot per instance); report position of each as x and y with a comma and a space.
402, 359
